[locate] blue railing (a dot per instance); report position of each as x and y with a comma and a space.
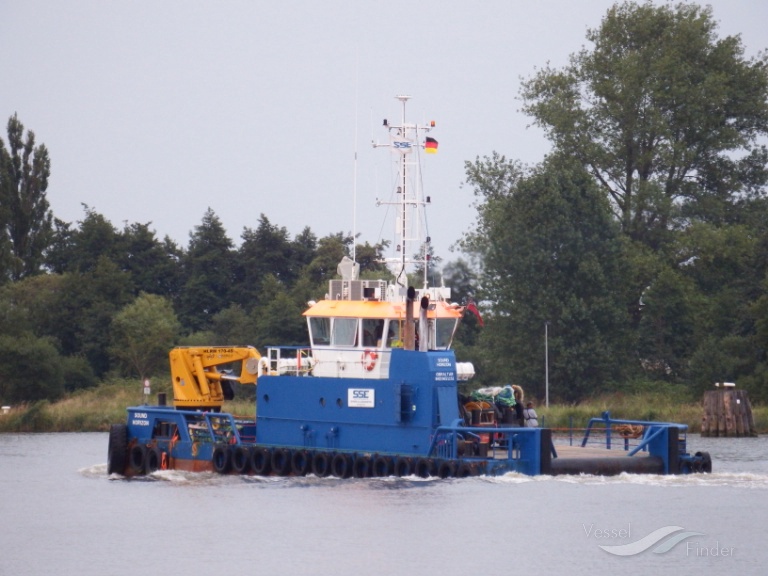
512, 448
651, 432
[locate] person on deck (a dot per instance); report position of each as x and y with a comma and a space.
530, 416
519, 397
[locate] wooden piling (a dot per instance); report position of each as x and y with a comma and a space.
727, 413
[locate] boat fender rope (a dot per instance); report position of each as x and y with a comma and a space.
630, 431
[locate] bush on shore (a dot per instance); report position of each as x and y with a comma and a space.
95, 409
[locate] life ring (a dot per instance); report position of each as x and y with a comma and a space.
369, 359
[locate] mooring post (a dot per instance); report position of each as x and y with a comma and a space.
727, 412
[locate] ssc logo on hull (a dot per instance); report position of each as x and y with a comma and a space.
361, 397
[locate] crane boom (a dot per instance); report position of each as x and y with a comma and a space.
199, 380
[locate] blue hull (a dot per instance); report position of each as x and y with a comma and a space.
408, 423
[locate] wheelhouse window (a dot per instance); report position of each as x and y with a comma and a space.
394, 339
444, 332
344, 332
320, 331
372, 331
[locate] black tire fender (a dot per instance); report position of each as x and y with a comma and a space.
706, 462
382, 466
403, 467
281, 461
425, 467
221, 458
464, 470
321, 464
137, 458
117, 449
446, 469
301, 462
152, 460
261, 461
361, 467
241, 459
341, 465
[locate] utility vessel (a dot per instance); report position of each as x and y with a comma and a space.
376, 390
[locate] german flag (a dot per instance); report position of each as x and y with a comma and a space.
431, 146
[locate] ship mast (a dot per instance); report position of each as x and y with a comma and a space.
410, 225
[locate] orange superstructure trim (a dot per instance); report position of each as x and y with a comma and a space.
377, 309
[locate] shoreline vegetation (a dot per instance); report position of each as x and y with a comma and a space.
95, 409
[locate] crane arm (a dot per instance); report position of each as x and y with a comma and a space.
197, 378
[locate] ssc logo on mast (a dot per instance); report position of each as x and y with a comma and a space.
403, 146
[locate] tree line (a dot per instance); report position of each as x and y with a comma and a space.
642, 239
107, 302
640, 243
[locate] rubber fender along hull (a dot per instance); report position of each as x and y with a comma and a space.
611, 466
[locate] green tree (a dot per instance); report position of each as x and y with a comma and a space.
209, 272
666, 115
79, 249
152, 264
550, 252
26, 222
232, 326
85, 307
370, 257
279, 320
142, 333
464, 284
32, 304
30, 369
668, 327
266, 250
330, 250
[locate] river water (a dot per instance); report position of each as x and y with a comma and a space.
61, 514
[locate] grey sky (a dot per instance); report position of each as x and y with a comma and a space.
154, 111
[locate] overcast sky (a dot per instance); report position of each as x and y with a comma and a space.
155, 111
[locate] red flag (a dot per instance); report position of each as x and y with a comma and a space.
472, 308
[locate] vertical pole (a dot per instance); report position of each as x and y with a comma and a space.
546, 362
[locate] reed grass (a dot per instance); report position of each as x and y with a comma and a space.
95, 409
643, 406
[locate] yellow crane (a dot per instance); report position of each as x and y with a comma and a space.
202, 374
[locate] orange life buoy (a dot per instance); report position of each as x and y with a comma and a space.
369, 359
